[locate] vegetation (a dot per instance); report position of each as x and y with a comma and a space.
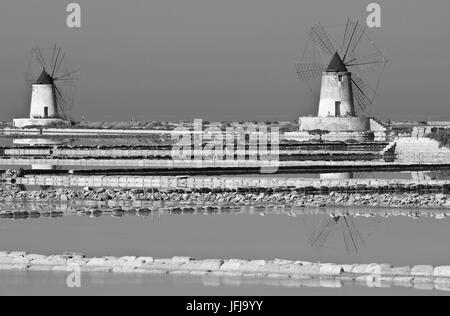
159, 125
126, 125
289, 127
442, 135
319, 132
6, 124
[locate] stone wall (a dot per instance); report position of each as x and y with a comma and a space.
223, 182
24, 122
334, 124
420, 275
271, 165
332, 136
422, 150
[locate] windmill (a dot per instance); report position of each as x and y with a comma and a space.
341, 66
52, 84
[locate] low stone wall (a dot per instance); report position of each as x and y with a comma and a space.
291, 198
421, 149
420, 274
188, 164
334, 124
304, 149
233, 182
24, 122
304, 136
378, 126
83, 131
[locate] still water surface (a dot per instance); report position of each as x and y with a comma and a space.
394, 240
49, 283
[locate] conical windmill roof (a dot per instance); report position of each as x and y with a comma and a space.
336, 64
44, 78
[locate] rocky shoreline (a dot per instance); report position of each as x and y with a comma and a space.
33, 211
419, 275
290, 197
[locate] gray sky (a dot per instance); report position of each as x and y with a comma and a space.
219, 59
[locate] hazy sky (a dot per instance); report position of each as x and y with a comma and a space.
219, 59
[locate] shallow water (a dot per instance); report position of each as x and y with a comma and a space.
50, 283
397, 240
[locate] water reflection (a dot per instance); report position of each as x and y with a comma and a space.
337, 176
325, 235
331, 230
100, 283
36, 142
345, 225
431, 175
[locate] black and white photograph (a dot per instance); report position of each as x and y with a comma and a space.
226, 154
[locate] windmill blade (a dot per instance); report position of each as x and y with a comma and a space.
320, 236
56, 61
352, 238
363, 94
60, 101
319, 239
69, 76
59, 65
309, 71
369, 65
354, 33
344, 40
30, 77
319, 36
53, 56
372, 61
349, 239
39, 57
346, 239
67, 94
357, 235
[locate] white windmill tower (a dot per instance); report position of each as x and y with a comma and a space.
52, 88
336, 93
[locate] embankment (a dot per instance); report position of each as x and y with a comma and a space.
235, 198
36, 210
421, 276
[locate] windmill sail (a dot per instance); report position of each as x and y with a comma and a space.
320, 37
320, 236
309, 71
363, 94
352, 38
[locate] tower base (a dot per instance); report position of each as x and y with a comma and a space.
41, 122
334, 124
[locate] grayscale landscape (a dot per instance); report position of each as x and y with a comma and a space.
231, 148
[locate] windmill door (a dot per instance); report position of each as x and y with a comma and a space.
337, 108
46, 112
